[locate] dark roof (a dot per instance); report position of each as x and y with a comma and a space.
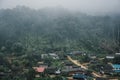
101, 79
68, 63
108, 68
50, 70
2, 74
79, 76
74, 66
72, 69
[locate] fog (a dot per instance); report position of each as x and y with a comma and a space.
85, 6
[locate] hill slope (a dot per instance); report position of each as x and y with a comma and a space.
58, 29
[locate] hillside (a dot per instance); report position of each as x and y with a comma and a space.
52, 29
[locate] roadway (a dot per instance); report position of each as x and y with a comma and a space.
82, 66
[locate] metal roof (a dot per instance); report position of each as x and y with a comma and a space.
116, 65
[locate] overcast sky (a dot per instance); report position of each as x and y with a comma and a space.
86, 6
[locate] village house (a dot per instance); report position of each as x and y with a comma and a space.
50, 70
53, 55
2, 74
101, 78
40, 71
110, 57
77, 53
43, 56
107, 69
71, 69
116, 68
79, 76
43, 71
92, 56
93, 62
117, 54
42, 64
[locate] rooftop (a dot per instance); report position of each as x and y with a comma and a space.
40, 69
116, 65
79, 76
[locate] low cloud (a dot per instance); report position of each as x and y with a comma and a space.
86, 6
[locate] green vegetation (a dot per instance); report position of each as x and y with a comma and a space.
45, 31
25, 34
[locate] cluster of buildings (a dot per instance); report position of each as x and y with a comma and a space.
71, 70
115, 67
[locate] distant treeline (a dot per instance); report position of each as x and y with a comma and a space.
59, 29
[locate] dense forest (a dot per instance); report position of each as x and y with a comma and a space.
56, 29
26, 34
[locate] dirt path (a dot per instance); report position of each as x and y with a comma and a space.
84, 67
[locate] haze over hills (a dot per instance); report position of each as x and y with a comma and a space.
59, 29
93, 7
40, 40
59, 39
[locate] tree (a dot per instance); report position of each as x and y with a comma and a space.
17, 47
116, 60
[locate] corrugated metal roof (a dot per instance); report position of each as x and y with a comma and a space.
79, 76
116, 65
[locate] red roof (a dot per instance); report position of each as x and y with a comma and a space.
40, 69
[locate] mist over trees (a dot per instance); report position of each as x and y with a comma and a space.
52, 29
